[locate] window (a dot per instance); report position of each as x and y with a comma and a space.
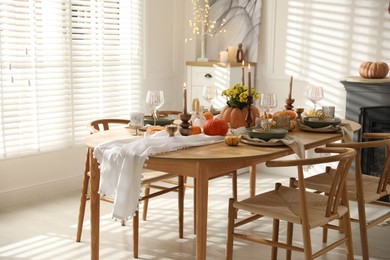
64, 63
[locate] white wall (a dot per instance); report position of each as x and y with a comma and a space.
32, 177
319, 43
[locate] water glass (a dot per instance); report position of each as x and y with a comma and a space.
283, 121
136, 121
328, 111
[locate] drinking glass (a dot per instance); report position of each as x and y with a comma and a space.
314, 94
209, 93
155, 99
136, 121
268, 101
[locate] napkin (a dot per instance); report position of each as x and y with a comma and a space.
345, 129
291, 141
121, 164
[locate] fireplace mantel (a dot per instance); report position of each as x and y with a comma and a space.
365, 93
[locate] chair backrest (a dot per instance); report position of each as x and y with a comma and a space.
105, 124
343, 156
384, 178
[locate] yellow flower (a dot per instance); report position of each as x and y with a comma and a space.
237, 94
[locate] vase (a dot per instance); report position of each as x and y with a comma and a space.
236, 117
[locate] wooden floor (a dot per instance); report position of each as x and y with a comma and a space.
47, 229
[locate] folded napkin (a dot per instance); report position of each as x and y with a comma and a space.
345, 129
291, 141
121, 163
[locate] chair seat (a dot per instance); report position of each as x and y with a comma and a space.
283, 204
322, 182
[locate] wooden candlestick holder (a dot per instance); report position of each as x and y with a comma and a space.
249, 102
185, 125
289, 102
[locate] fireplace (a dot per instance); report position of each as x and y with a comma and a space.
368, 102
373, 120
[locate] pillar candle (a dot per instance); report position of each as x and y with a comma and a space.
290, 92
232, 54
184, 98
223, 56
249, 81
243, 73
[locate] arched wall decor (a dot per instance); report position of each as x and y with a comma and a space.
237, 21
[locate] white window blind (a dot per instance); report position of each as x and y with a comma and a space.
64, 63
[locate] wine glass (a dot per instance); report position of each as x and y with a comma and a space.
155, 99
136, 121
268, 101
314, 94
209, 93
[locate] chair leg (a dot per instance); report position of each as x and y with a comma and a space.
290, 231
275, 238
135, 234
348, 234
230, 230
363, 229
290, 226
146, 203
181, 205
83, 198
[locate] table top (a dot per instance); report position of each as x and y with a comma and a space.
221, 151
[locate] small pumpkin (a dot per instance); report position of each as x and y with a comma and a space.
194, 130
290, 113
373, 70
215, 127
208, 115
232, 140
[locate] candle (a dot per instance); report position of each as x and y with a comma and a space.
243, 73
291, 81
232, 54
223, 56
249, 81
184, 98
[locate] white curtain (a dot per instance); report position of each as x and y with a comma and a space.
64, 63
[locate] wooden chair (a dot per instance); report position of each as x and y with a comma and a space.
298, 206
149, 180
362, 188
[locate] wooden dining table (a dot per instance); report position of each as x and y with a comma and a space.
203, 163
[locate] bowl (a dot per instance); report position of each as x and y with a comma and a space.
314, 122
277, 133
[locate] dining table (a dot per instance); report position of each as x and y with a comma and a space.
202, 163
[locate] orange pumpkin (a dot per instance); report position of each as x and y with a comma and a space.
215, 127
290, 113
373, 70
208, 115
194, 130
237, 117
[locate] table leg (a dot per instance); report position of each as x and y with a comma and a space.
252, 180
95, 207
202, 189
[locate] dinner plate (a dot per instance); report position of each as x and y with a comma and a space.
273, 133
314, 122
244, 140
161, 120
